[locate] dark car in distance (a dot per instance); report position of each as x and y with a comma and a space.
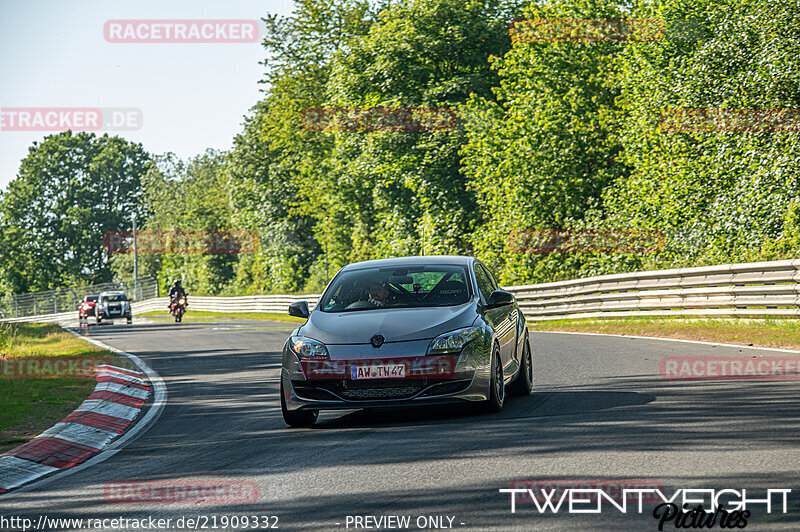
406, 331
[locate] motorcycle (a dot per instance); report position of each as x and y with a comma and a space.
178, 308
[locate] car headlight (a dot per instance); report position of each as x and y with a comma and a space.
308, 348
453, 341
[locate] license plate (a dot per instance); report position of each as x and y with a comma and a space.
379, 371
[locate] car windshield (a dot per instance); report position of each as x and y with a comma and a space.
116, 297
91, 299
397, 287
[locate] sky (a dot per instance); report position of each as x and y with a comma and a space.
179, 97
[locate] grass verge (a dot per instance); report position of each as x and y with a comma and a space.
30, 405
769, 332
201, 315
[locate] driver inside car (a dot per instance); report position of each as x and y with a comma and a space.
378, 294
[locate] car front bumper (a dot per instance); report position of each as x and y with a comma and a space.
464, 377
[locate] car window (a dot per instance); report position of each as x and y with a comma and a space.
115, 297
397, 287
485, 284
495, 286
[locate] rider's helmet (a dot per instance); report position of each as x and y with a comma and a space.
176, 282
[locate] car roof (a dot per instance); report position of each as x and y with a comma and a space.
113, 293
459, 260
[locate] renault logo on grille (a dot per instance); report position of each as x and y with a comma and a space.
377, 340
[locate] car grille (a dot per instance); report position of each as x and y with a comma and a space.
388, 392
375, 389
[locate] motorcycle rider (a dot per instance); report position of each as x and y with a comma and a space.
176, 292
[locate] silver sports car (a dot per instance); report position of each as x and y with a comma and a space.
406, 331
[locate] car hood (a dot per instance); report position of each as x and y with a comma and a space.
395, 325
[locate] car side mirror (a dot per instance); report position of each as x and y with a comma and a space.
499, 298
299, 309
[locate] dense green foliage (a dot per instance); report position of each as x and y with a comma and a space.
71, 190
557, 136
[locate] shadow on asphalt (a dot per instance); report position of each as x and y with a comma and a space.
223, 420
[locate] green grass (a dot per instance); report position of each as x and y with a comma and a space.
30, 405
41, 339
767, 332
201, 315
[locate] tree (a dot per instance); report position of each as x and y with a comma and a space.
276, 153
723, 185
71, 189
539, 158
399, 192
186, 198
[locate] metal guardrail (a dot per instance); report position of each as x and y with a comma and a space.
64, 301
273, 303
754, 289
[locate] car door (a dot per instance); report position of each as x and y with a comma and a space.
501, 319
512, 317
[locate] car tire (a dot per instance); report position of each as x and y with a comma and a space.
98, 320
497, 389
523, 384
297, 418
130, 321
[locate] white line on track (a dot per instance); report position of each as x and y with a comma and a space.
700, 342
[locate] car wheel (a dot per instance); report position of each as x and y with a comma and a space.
298, 418
497, 388
523, 384
98, 320
130, 321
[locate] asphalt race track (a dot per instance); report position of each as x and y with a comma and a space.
600, 412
